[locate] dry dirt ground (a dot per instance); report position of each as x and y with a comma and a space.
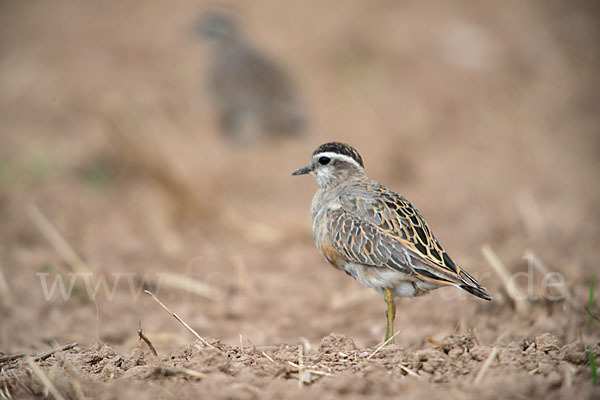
483, 113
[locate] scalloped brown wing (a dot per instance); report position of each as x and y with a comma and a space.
375, 226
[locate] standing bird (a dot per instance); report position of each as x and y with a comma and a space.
374, 234
252, 95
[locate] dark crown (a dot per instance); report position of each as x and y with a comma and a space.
340, 148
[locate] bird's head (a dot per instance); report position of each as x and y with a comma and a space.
217, 25
333, 163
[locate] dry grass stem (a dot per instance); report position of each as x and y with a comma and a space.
182, 322
252, 346
301, 367
5, 295
592, 313
485, 366
306, 343
11, 357
322, 373
268, 357
326, 366
473, 332
381, 345
97, 320
409, 371
461, 327
56, 240
40, 357
517, 296
44, 379
43, 356
568, 379
5, 392
74, 382
311, 370
193, 286
147, 341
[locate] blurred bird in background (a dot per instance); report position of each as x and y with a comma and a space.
253, 97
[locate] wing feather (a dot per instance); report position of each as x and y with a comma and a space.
387, 230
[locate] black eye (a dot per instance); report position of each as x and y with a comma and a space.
324, 160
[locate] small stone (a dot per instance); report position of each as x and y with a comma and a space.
547, 343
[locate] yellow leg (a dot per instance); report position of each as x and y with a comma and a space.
390, 314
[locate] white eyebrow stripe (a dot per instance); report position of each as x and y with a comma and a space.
338, 156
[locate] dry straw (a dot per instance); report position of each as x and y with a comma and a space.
182, 322
519, 298
488, 362
381, 345
37, 371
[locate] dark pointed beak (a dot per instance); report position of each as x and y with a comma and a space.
302, 171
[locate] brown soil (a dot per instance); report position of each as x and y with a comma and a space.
484, 114
336, 369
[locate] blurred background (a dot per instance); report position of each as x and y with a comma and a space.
483, 113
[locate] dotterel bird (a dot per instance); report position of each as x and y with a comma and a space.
374, 234
253, 96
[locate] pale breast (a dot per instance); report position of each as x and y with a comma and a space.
323, 238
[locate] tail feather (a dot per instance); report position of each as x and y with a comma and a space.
471, 285
477, 291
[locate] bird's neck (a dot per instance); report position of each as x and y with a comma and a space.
330, 180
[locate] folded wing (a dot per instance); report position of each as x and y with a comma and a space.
388, 231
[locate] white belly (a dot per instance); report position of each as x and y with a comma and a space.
379, 278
